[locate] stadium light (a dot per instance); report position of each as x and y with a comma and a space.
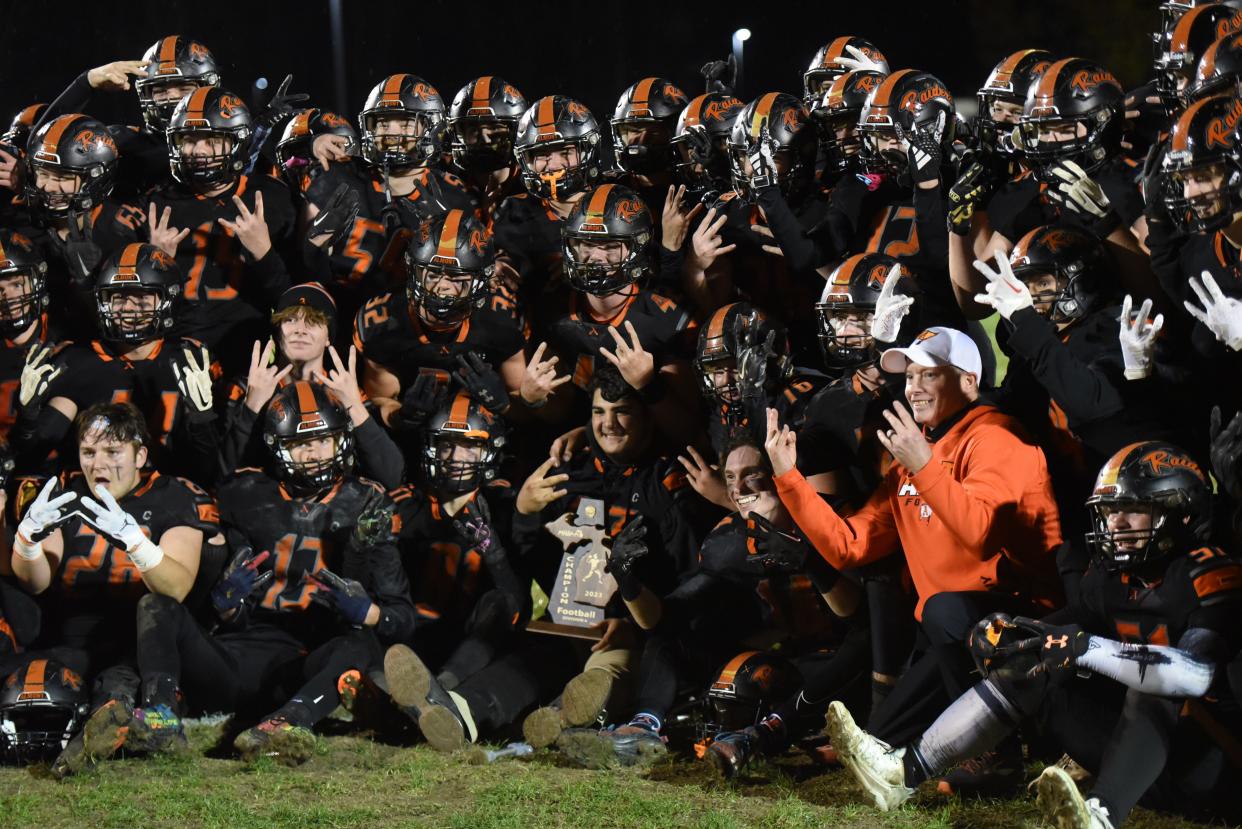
740, 36
261, 83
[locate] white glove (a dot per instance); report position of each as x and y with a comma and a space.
111, 520
44, 513
194, 380
1138, 338
890, 309
1078, 192
1221, 315
859, 60
1005, 292
37, 374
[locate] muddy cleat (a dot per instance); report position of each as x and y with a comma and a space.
278, 738
998, 773
638, 741
730, 751
1064, 807
875, 764
443, 716
580, 704
103, 735
156, 730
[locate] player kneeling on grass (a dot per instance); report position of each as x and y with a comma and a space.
1117, 678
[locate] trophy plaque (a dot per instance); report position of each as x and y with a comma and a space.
582, 588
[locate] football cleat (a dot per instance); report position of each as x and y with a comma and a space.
279, 739
730, 751
638, 741
156, 730
996, 773
875, 764
443, 716
580, 704
103, 735
1063, 805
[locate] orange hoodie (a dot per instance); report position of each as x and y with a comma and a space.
979, 516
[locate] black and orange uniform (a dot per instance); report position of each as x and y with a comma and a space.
12, 361
20, 619
791, 402
664, 329
89, 611
285, 637
1022, 204
528, 236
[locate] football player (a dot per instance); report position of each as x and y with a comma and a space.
482, 129
24, 322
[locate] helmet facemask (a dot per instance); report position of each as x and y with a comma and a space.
455, 464
157, 114
482, 144
133, 315
701, 160
1047, 140
304, 477
400, 139
1217, 198
1129, 548
23, 296
205, 157
604, 265
642, 145
845, 334
574, 162
446, 294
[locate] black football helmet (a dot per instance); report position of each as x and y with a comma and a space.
904, 102
1180, 48
608, 214
1076, 258
700, 142
557, 123
1154, 477
1218, 71
462, 424
482, 124
172, 60
1203, 149
747, 688
1077, 96
18, 133
648, 110
20, 260
402, 96
42, 705
1008, 82
304, 411
715, 357
455, 247
70, 145
824, 67
850, 296
783, 119
136, 271
836, 116
294, 148
216, 114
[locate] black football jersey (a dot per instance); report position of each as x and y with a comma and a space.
528, 234
790, 402
12, 361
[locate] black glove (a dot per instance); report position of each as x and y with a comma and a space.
82, 255
1226, 453
421, 400
476, 530
971, 190
280, 105
336, 218
720, 75
770, 550
374, 526
240, 580
924, 153
347, 597
1059, 649
997, 638
482, 382
627, 548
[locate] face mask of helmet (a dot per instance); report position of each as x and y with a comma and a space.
482, 144
309, 476
447, 295
169, 91
882, 152
205, 158
132, 316
557, 170
845, 335
399, 141
22, 299
641, 146
42, 705
701, 161
603, 267
453, 464
1205, 197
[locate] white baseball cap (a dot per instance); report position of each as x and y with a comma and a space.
937, 346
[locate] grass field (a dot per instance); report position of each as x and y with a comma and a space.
355, 782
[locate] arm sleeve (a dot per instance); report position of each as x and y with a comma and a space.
238, 432
1081, 390
866, 536
931, 217
801, 253
1152, 669
378, 457
391, 590
74, 98
271, 275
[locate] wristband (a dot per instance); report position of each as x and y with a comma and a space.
28, 550
145, 555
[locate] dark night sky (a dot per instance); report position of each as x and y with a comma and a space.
591, 50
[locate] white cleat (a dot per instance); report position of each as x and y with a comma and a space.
875, 764
1064, 807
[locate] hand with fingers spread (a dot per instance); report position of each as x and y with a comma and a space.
37, 374
1072, 189
347, 597
114, 77
762, 159
1138, 338
81, 255
335, 220
925, 154
264, 377
705, 478
766, 232
971, 191
754, 356
890, 308
107, 516
539, 379
421, 400
1226, 453
194, 379
636, 364
250, 227
1220, 314
482, 382
330, 147
706, 243
858, 59
474, 526
161, 234
675, 220
47, 512
281, 104
775, 551
342, 380
627, 548
240, 580
569, 444
1005, 292
904, 438
781, 444
540, 489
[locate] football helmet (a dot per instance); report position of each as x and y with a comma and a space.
554, 124
18, 133
608, 217
172, 60
453, 250
42, 705
294, 148
715, 357
1076, 258
1162, 480
303, 411
1073, 112
746, 688
482, 124
1181, 46
1008, 83
700, 143
462, 447
70, 145
782, 119
643, 123
1203, 155
836, 115
413, 99
1218, 71
131, 275
824, 68
24, 303
848, 301
904, 102
223, 119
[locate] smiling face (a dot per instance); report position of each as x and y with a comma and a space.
622, 429
301, 338
748, 480
936, 393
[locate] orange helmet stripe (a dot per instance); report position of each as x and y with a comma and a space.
1108, 475
30, 114
694, 112
51, 138
729, 671
599, 201
481, 99
715, 325
301, 123
835, 50
846, 272
168, 56
545, 119
198, 100
1046, 88
391, 93
884, 92
1181, 128
36, 677
642, 94
127, 265
448, 236
762, 110
306, 399
460, 411
1004, 72
1181, 32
